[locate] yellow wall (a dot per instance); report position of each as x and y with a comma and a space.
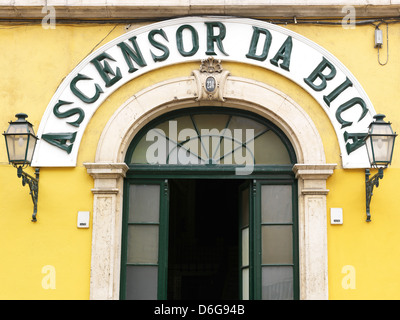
370, 250
34, 62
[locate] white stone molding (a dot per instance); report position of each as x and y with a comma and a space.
147, 9
109, 168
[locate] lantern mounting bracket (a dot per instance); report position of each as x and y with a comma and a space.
370, 183
33, 183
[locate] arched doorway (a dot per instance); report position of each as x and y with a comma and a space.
109, 169
210, 209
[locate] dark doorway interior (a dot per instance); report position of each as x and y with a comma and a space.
203, 249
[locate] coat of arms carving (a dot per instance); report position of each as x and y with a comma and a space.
210, 78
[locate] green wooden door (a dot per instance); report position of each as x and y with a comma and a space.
268, 240
276, 234
145, 244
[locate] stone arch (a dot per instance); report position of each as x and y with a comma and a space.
239, 93
109, 169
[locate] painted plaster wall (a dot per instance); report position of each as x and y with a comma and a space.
34, 61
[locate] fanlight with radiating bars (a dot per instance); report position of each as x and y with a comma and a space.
210, 139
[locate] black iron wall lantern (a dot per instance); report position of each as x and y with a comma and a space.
20, 143
380, 143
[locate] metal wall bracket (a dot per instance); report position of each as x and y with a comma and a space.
33, 187
369, 188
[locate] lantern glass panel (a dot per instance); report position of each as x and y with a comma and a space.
31, 148
380, 144
16, 146
16, 128
21, 141
368, 144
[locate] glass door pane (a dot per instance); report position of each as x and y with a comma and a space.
142, 244
277, 283
141, 282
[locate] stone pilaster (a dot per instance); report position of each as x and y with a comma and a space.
107, 221
313, 229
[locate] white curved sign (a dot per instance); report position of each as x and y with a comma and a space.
193, 39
